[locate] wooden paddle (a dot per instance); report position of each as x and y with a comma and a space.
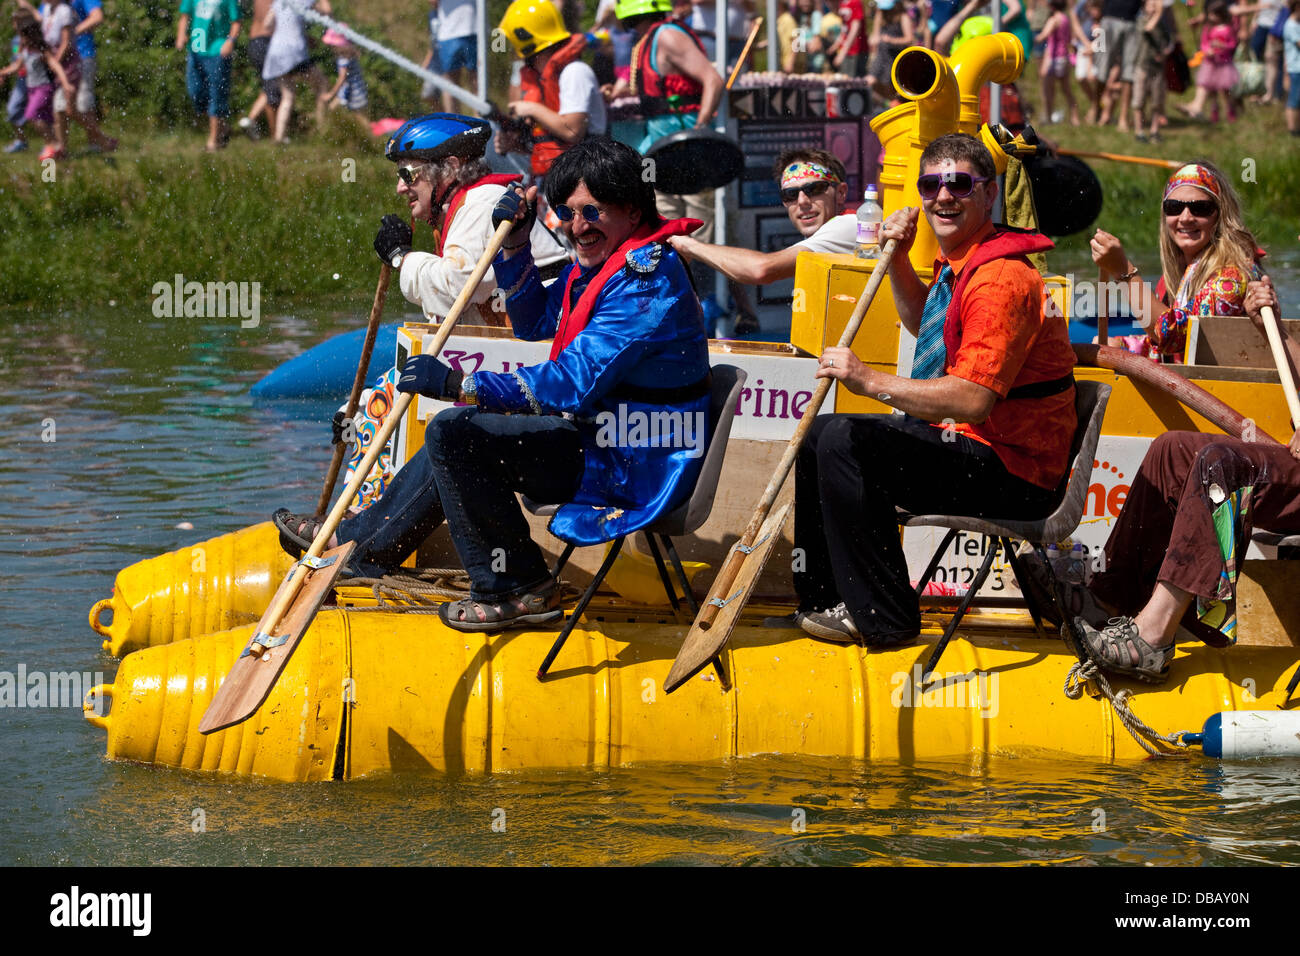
1274, 333
255, 672
358, 383
704, 641
744, 54
1122, 158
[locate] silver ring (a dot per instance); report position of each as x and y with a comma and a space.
830, 363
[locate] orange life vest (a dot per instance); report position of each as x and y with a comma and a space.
544, 88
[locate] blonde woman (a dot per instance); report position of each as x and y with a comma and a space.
1207, 256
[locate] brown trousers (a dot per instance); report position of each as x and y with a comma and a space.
1165, 531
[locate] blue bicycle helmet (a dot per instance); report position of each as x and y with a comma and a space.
439, 135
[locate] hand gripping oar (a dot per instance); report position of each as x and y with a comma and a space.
358, 383
720, 611
256, 670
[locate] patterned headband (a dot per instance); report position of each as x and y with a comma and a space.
1193, 175
803, 171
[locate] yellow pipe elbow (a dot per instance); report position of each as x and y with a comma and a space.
925, 77
996, 58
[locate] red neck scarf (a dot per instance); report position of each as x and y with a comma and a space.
458, 200
574, 320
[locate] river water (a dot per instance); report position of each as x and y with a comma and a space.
123, 426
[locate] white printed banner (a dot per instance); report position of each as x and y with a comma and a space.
773, 399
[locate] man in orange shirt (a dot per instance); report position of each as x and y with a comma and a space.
988, 412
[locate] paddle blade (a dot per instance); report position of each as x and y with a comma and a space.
251, 678
702, 646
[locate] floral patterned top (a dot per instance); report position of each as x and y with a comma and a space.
1224, 293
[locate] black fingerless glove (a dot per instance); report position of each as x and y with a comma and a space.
507, 208
393, 239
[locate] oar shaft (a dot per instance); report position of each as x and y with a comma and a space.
1121, 158
744, 54
390, 425
358, 383
1274, 332
727, 576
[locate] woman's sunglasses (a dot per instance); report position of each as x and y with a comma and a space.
410, 174
589, 213
1200, 208
810, 190
960, 185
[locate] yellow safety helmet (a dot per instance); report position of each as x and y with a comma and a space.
532, 26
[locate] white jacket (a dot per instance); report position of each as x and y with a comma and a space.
433, 282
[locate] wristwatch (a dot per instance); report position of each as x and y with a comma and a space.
1130, 275
469, 388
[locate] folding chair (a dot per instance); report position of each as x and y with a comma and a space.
685, 519
1090, 400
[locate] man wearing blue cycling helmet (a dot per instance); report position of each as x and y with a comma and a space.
444, 181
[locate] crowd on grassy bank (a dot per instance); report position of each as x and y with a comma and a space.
1123, 57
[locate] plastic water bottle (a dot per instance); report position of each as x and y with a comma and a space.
1076, 570
869, 216
1055, 563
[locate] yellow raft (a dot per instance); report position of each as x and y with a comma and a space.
375, 691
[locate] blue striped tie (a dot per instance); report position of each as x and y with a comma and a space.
930, 355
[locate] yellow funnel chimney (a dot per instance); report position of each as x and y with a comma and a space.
945, 99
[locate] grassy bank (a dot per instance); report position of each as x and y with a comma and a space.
108, 228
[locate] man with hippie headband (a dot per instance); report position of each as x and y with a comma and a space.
988, 412
814, 188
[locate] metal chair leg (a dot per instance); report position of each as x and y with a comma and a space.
966, 600
934, 562
663, 571
580, 607
681, 574
564, 559
1030, 601
1067, 623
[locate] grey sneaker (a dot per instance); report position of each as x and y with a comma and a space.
834, 624
17, 146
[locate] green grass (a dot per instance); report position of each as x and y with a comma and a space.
108, 228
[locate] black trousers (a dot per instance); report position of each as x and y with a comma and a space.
852, 472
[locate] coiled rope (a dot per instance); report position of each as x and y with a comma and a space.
1076, 683
422, 591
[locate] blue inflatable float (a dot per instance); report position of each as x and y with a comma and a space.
327, 370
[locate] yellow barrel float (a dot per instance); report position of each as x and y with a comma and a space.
400, 692
210, 586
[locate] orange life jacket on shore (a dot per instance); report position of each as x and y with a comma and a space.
544, 88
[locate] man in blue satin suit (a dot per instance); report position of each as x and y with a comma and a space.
613, 426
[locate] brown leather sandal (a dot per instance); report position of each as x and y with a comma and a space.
539, 607
1112, 648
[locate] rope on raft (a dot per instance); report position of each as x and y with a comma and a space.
414, 593
419, 592
1075, 683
